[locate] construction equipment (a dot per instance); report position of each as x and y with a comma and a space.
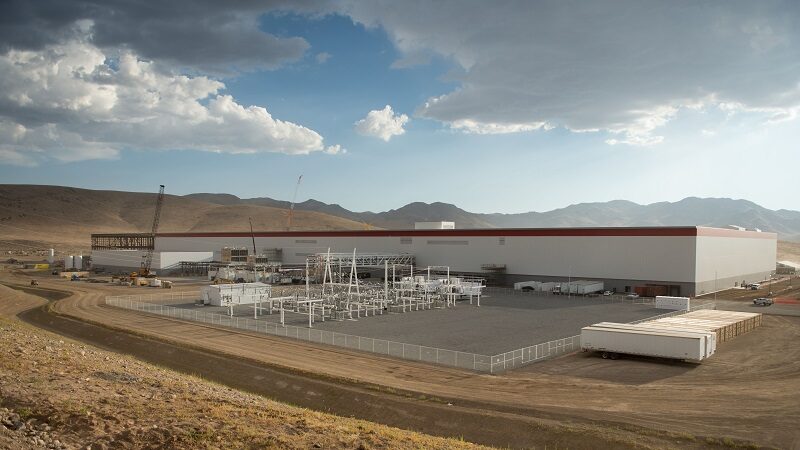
144, 271
291, 205
252, 235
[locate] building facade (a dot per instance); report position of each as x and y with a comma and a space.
683, 260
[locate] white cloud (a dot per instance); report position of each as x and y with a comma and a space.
335, 150
322, 57
625, 68
73, 101
382, 123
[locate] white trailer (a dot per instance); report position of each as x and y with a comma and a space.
711, 342
684, 345
549, 286
673, 303
582, 287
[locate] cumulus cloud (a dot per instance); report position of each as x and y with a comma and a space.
72, 101
382, 123
322, 57
625, 68
204, 35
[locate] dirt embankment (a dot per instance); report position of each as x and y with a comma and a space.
578, 400
62, 394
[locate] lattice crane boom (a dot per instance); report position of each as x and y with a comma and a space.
148, 259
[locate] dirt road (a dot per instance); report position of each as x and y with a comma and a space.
726, 396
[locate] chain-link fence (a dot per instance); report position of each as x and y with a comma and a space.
154, 304
414, 352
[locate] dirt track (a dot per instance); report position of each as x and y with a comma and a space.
749, 390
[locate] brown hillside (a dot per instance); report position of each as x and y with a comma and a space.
789, 251
64, 218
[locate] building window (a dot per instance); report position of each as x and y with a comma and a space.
501, 241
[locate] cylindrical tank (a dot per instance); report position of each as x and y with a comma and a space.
52, 258
77, 262
68, 262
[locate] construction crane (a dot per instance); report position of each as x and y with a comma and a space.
144, 271
291, 205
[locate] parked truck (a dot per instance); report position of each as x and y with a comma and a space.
612, 341
528, 286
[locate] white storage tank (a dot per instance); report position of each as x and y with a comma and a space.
52, 257
68, 262
77, 262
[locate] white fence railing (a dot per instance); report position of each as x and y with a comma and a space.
414, 352
154, 304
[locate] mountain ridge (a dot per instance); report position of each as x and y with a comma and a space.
690, 211
35, 216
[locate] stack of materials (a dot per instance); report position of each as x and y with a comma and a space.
692, 336
725, 324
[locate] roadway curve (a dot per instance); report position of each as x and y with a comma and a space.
717, 398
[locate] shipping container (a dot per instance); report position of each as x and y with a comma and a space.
650, 290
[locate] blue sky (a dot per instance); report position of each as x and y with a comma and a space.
500, 116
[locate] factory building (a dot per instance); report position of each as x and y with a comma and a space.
683, 261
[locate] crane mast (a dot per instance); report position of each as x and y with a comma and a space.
148, 259
291, 206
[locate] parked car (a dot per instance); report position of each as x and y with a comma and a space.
763, 301
607, 293
633, 295
755, 286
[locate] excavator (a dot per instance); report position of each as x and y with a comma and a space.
144, 270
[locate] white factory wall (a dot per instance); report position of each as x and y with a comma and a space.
132, 259
168, 259
652, 258
724, 261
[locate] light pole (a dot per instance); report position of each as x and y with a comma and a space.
569, 284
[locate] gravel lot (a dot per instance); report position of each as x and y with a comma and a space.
503, 322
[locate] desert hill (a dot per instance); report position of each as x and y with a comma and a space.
64, 217
691, 211
34, 216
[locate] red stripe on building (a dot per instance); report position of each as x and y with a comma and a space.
497, 232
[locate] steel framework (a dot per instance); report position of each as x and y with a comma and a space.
123, 241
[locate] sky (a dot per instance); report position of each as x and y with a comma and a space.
493, 106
